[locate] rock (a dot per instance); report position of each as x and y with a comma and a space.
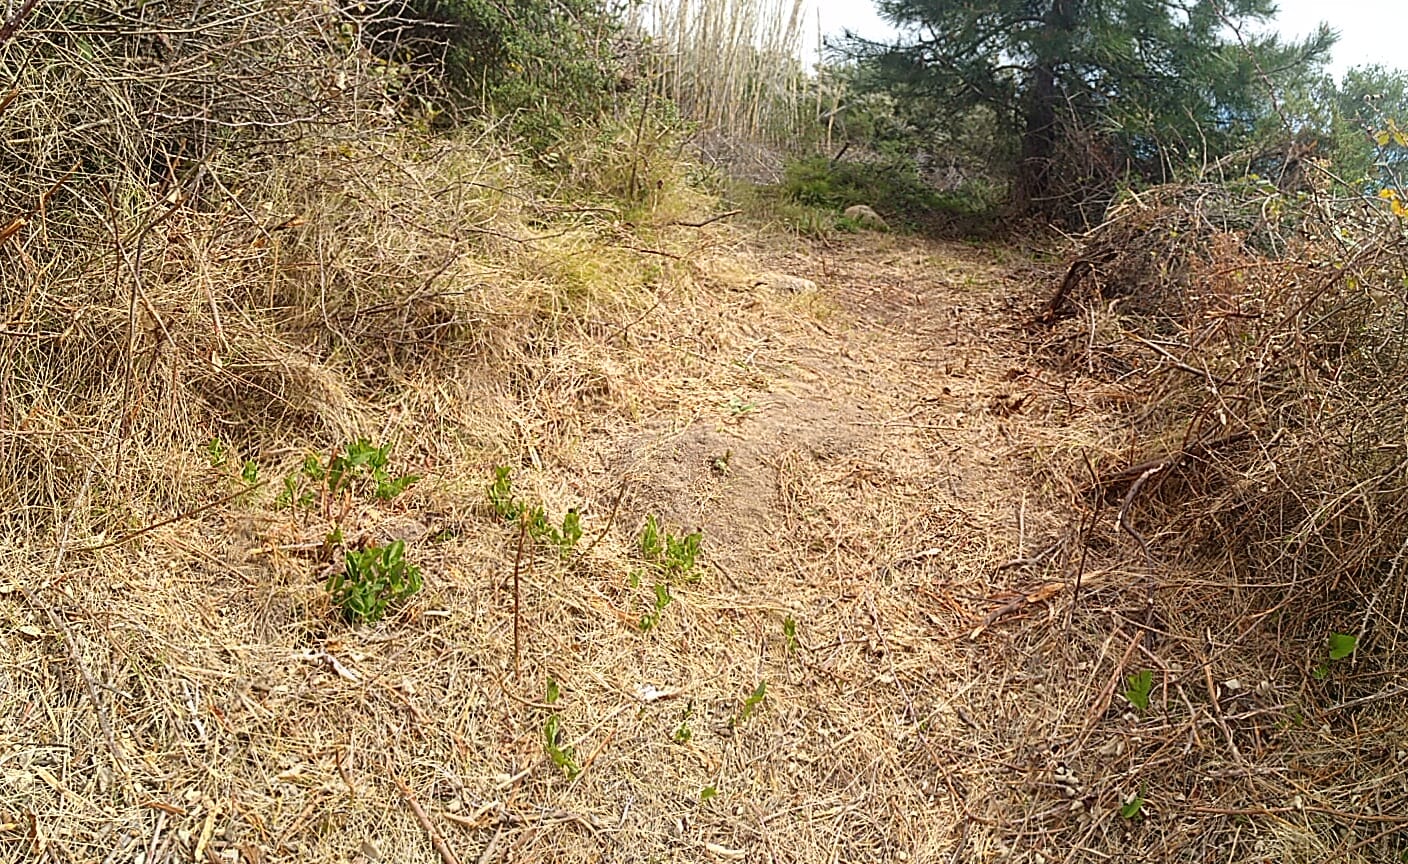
784, 283
866, 218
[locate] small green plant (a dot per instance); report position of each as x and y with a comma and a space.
1341, 645
1137, 688
738, 407
501, 494
706, 793
509, 508
752, 703
561, 754
652, 618
363, 461
361, 466
789, 634
250, 472
215, 452
670, 554
651, 546
1133, 809
683, 732
719, 464
571, 529
544, 531
373, 579
553, 692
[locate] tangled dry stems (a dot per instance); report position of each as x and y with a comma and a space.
1248, 345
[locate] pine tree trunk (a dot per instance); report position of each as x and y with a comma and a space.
1034, 185
1032, 188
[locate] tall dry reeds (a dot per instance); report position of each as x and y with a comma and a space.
735, 68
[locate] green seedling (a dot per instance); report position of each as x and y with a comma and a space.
651, 545
508, 508
789, 634
361, 467
652, 618
250, 472
752, 703
672, 555
367, 463
706, 793
1341, 645
681, 552
1137, 688
571, 530
540, 529
739, 407
683, 732
719, 464
561, 754
501, 495
373, 579
1133, 809
215, 452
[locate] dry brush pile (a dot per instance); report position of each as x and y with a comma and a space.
1250, 492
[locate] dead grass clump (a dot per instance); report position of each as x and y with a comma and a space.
1256, 479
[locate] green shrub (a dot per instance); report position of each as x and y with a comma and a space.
892, 186
542, 63
372, 580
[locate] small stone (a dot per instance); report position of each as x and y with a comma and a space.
866, 218
784, 283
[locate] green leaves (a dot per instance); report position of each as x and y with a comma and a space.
670, 554
371, 580
562, 755
360, 467
509, 508
1341, 645
1133, 809
754, 700
1137, 688
789, 633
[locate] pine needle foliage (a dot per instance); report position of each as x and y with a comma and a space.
1095, 92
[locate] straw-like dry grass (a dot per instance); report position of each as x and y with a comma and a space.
879, 459
1246, 345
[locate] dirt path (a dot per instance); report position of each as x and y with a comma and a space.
856, 485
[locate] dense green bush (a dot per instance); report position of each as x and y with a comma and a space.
540, 63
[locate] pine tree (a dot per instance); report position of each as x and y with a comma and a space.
1095, 87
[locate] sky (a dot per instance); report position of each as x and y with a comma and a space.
1371, 31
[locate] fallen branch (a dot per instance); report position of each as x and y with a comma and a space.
1079, 269
711, 220
447, 855
196, 511
1196, 450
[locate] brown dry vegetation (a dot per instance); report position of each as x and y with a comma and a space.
888, 461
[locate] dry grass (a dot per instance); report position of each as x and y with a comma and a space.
881, 457
1243, 347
